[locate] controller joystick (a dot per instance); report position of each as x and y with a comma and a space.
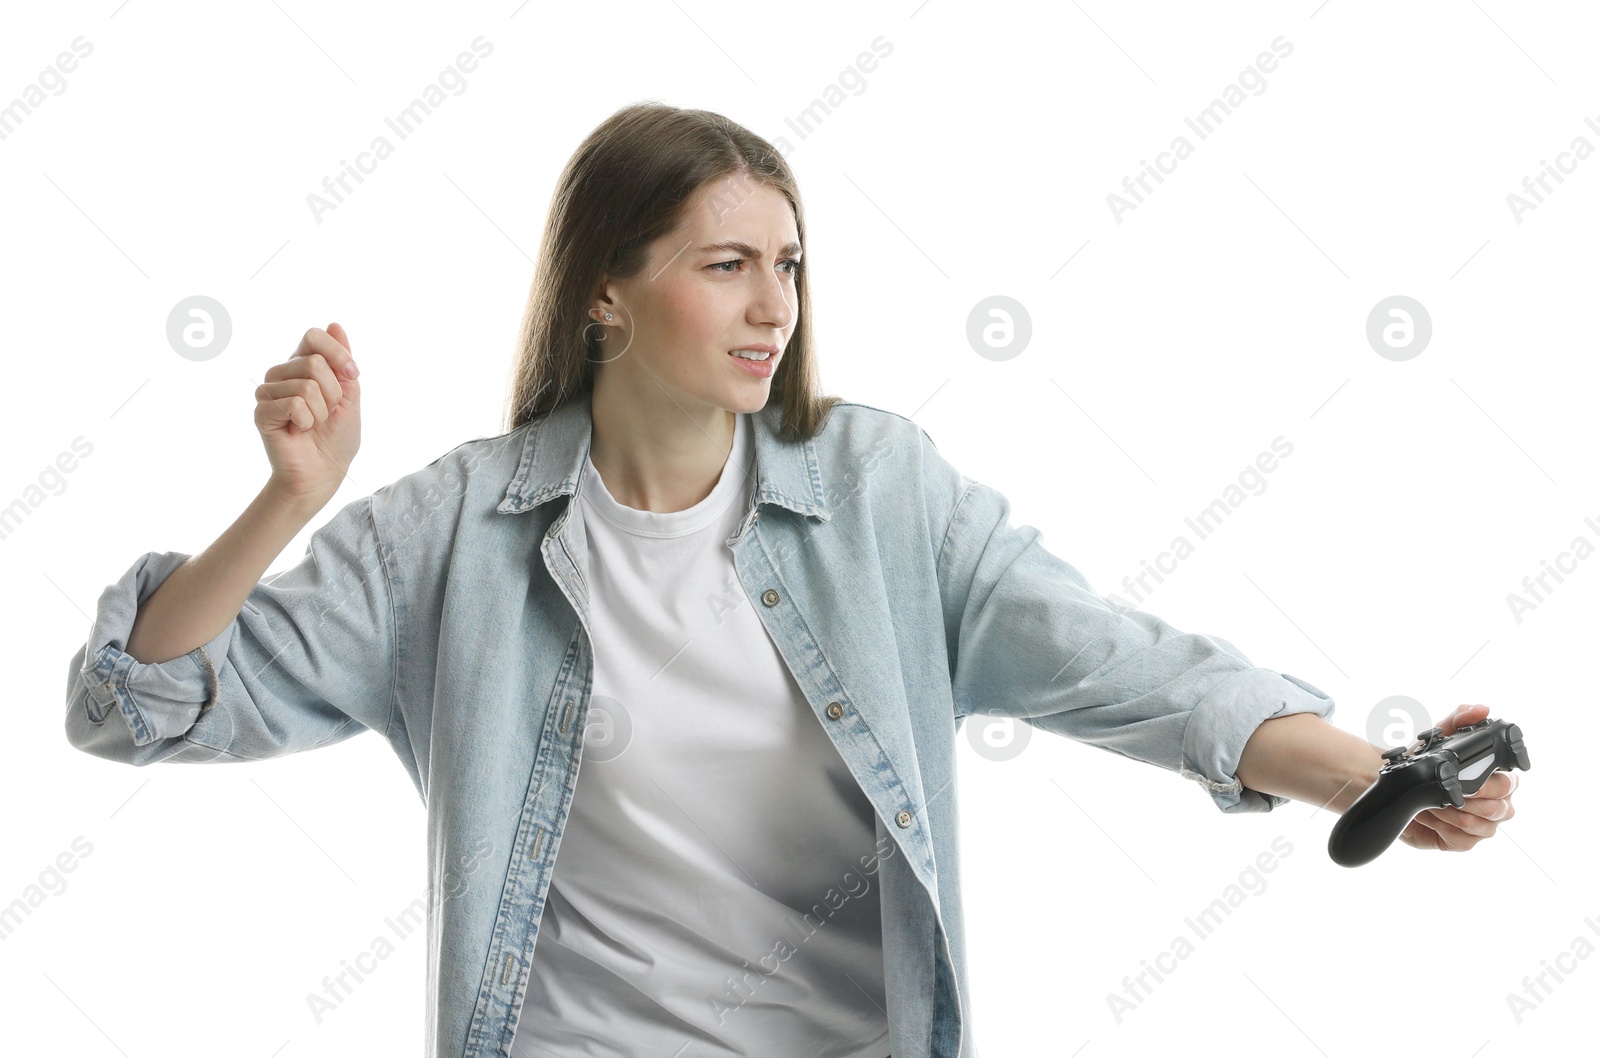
1434, 771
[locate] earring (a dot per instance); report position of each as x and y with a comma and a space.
608, 315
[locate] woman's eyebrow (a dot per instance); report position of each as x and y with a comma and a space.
744, 249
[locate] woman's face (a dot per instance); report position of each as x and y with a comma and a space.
725, 278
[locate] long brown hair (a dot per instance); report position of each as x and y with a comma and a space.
626, 185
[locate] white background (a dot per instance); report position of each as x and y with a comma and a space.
1168, 350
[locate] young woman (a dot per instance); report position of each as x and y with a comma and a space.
757, 616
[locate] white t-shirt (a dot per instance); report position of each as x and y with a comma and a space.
695, 905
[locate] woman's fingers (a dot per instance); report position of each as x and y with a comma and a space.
336, 330
313, 367
297, 400
334, 349
1454, 819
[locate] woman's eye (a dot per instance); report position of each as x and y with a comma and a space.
740, 260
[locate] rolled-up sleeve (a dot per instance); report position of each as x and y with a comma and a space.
309, 661
1030, 639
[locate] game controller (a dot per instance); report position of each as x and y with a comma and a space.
1433, 771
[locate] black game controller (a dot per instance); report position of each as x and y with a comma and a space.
1440, 771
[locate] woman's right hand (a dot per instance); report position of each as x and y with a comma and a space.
309, 413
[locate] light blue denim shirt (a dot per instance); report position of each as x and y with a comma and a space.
898, 592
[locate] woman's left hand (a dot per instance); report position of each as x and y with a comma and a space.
1459, 829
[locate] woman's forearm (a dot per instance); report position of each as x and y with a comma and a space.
1304, 757
204, 595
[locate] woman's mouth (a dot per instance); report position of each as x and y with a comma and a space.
747, 359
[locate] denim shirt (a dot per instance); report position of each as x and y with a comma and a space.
447, 612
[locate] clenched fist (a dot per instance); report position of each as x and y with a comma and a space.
309, 413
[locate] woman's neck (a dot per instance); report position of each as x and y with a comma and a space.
658, 459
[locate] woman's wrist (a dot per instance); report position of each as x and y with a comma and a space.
1302, 756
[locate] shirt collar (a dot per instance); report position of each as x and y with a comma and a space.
556, 446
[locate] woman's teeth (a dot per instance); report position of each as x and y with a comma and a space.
750, 354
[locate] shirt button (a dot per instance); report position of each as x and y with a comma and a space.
770, 597
903, 818
835, 710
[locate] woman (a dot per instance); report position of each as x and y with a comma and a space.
756, 615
